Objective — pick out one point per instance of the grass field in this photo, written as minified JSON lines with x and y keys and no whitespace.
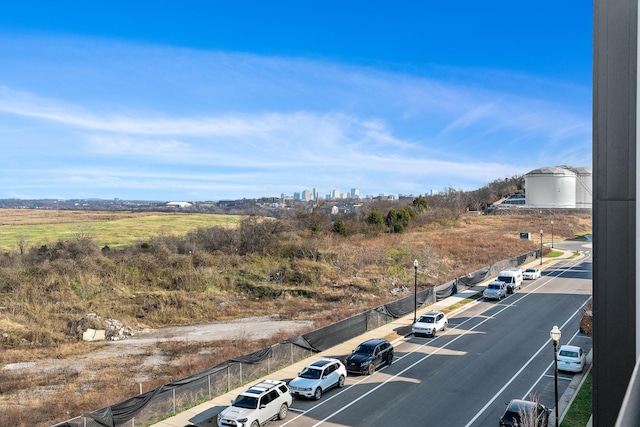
{"x":116,"y":229}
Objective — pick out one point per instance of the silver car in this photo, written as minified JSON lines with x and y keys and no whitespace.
{"x":495,"y":290}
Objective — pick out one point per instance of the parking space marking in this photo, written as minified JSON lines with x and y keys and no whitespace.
{"x":517,"y":374}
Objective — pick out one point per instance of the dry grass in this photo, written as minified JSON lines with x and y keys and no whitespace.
{"x":352,"y":275}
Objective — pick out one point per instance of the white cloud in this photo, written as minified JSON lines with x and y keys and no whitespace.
{"x":169,"y":114}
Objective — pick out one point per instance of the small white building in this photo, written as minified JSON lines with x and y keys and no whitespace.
{"x":179,"y":205}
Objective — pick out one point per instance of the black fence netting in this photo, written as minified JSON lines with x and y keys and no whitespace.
{"x":471,"y":279}
{"x":178,"y":395}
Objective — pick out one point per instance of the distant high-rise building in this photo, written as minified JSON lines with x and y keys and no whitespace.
{"x":355,"y":193}
{"x":315,"y":194}
{"x":335,"y":194}
{"x":306,"y":195}
{"x":296,"y":196}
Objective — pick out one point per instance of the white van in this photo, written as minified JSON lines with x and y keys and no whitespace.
{"x":512,"y":277}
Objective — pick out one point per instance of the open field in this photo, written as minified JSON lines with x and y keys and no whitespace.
{"x":297,"y":276}
{"x":34,"y":227}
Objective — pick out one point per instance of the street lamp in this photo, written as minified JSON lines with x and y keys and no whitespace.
{"x":555,"y":337}
{"x":551,"y":234}
{"x":415,"y":289}
{"x":540,"y":247}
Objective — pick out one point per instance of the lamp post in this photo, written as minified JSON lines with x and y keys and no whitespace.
{"x":551,"y":234}
{"x":555,"y":337}
{"x":415,"y":289}
{"x":540,"y":247}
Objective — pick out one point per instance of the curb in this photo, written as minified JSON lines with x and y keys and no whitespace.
{"x":201,"y":414}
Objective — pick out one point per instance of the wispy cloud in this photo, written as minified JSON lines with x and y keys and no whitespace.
{"x":266,"y":122}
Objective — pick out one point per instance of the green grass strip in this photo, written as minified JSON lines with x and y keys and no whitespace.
{"x":581,"y":409}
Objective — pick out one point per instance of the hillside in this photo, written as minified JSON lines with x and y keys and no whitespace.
{"x":295,"y":269}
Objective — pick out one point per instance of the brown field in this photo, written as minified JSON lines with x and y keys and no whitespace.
{"x":40,"y":216}
{"x":354,"y":274}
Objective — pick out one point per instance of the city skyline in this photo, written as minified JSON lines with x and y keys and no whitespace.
{"x":247,"y":99}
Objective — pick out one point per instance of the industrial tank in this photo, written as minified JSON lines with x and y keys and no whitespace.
{"x":551,"y":187}
{"x":584,"y":193}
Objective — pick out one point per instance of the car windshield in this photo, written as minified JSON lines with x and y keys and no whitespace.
{"x":494,"y":287}
{"x":247,"y":402}
{"x":530,"y":270}
{"x":426,"y":319}
{"x":568,"y":353}
{"x":312,"y":374}
{"x":363,"y":349}
{"x":505,"y":279}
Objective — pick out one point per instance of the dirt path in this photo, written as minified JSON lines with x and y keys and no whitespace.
{"x":144,"y":344}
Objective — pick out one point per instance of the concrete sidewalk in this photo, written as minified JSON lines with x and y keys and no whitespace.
{"x":204,"y":415}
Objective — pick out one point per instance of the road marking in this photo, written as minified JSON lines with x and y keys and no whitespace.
{"x":517,"y":374}
{"x":551,"y":363}
{"x":383,"y":383}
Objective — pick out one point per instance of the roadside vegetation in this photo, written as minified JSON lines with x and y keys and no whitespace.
{"x":306,"y":265}
{"x":581,"y":407}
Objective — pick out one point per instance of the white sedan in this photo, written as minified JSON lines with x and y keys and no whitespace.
{"x":318,"y":377}
{"x":571,"y":358}
{"x":531,"y":273}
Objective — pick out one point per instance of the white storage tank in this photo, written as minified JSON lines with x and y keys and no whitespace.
{"x":551,"y":187}
{"x":584,"y":182}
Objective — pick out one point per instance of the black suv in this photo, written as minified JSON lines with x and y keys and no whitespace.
{"x":534,"y":414}
{"x":369,"y":356}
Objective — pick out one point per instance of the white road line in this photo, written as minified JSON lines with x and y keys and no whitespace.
{"x":504,"y":307}
{"x":517,"y":374}
{"x":528,"y":393}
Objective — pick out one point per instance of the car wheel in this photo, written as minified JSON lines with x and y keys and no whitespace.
{"x":390,"y":359}
{"x":371,"y":369}
{"x":255,"y":424}
{"x":284,"y":409}
{"x":341,"y":381}
{"x":317,"y":394}
{"x":444,"y":328}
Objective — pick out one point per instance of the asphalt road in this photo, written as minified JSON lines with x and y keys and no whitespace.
{"x":491,"y":352}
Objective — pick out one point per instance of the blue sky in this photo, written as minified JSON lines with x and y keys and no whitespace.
{"x":208,"y":100}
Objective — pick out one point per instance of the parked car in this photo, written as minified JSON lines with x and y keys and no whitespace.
{"x":534,"y":414}
{"x":430,"y":323}
{"x":318,"y":377}
{"x":571,"y":358}
{"x":531,"y":273}
{"x":369,"y":356}
{"x":259,"y":404}
{"x":495,"y":290}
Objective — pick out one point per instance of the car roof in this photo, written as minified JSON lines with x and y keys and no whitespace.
{"x":515,"y":404}
{"x":262,"y":387}
{"x":323,"y":362}
{"x":495,"y":282}
{"x":373,"y":342}
{"x":432,"y":313}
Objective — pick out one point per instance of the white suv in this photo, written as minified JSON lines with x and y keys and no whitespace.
{"x":318,"y":377}
{"x":263,"y":402}
{"x":430,"y":323}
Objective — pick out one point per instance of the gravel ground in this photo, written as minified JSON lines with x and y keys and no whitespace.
{"x":143,"y":342}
